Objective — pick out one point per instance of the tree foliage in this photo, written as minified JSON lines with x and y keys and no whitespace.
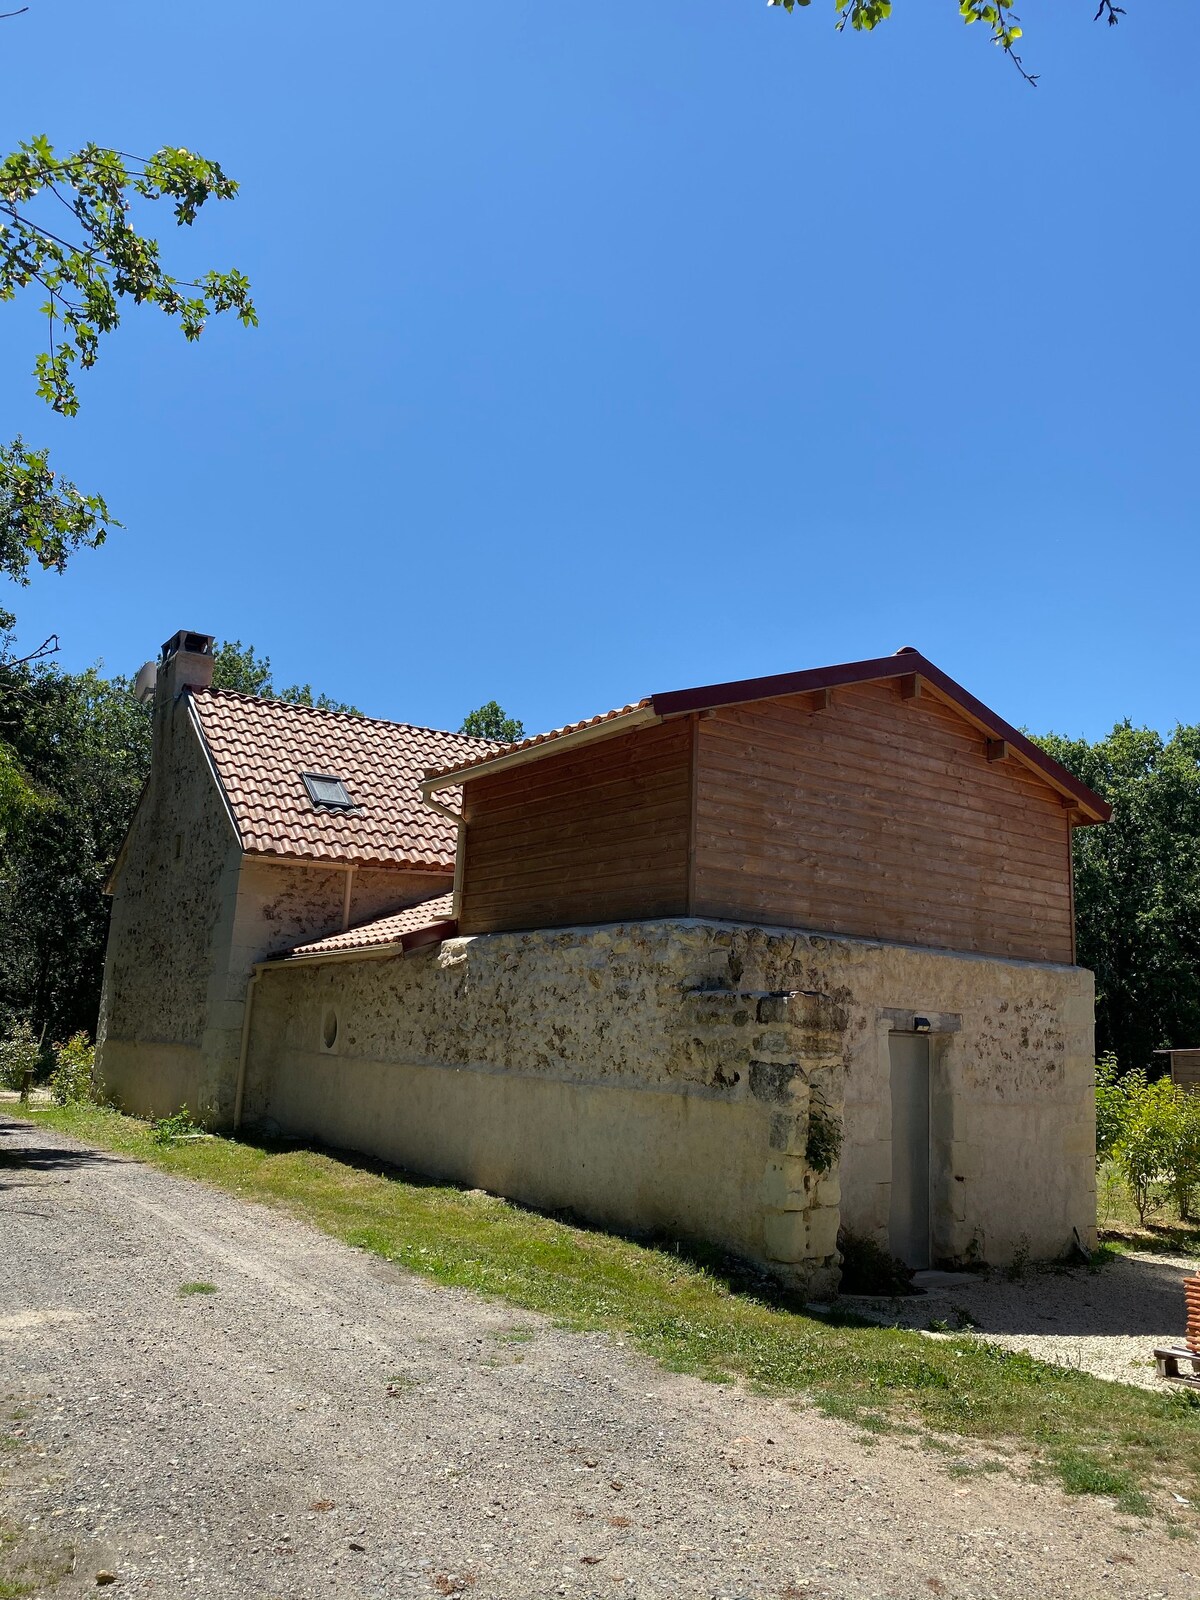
{"x":83,"y":746}
{"x":490,"y":722}
{"x":238,"y":666}
{"x":67,"y":230}
{"x":1137,"y":887}
{"x":43,"y":516}
{"x":1150,"y":1131}
{"x":85,"y":277}
{"x":997,"y":16}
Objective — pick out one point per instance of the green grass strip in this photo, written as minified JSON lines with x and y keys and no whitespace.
{"x":694,"y":1312}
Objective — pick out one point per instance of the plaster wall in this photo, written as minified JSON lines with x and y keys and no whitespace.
{"x":663,"y":1075}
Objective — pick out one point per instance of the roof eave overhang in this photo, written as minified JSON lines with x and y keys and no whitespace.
{"x":419,"y":939}
{"x":642,"y":717}
{"x":352,"y":863}
{"x":1087,"y":806}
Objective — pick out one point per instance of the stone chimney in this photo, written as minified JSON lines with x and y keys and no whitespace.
{"x":186,"y":663}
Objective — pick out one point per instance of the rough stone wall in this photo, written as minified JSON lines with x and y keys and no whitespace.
{"x":190,"y":917}
{"x":573,"y":1069}
{"x":663,"y":1075}
{"x":282,"y":904}
{"x":172,"y":916}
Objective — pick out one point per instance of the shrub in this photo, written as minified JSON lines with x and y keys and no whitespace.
{"x":1112,"y":1105}
{"x":1151,"y":1132}
{"x":1146,"y":1148}
{"x":72,"y":1078}
{"x":867,"y":1268}
{"x":19,"y":1053}
{"x":178,"y":1125}
{"x":1184,"y":1174}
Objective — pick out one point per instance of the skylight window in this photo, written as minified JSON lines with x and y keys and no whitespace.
{"x":326,"y":790}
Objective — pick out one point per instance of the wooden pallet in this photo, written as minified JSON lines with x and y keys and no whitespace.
{"x":1168,"y":1365}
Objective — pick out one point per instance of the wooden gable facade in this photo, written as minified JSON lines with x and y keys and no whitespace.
{"x":876,"y":800}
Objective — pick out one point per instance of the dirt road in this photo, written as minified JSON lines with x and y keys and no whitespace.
{"x":324,"y":1426}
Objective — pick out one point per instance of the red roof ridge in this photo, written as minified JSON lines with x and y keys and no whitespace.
{"x":905,"y":662}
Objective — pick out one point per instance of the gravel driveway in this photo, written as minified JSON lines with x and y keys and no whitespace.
{"x":326,"y":1426}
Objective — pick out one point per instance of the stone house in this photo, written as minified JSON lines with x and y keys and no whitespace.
{"x":750,"y":963}
{"x":239,"y":849}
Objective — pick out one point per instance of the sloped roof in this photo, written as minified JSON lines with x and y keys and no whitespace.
{"x":906,"y":663}
{"x":406,"y":930}
{"x":260,"y":750}
{"x":494,"y":751}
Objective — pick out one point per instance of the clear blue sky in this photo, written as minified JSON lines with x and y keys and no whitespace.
{"x":616,"y":348}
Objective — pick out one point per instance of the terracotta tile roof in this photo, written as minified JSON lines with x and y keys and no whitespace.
{"x":492,"y":751}
{"x":261,"y":748}
{"x":433,"y":918}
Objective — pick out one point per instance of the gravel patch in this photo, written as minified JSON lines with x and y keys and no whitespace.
{"x":325,"y":1425}
{"x":1106,"y":1320}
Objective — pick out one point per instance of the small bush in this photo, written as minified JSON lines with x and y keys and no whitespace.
{"x":1184,"y":1176}
{"x":19,"y":1053}
{"x":1151,"y":1133}
{"x":867,"y":1268}
{"x":1112,"y":1106}
{"x":72,"y":1078}
{"x":179,"y":1125}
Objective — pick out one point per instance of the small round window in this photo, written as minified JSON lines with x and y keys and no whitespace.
{"x":329,"y":1028}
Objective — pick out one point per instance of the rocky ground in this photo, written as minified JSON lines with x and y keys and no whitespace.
{"x":320,"y":1424}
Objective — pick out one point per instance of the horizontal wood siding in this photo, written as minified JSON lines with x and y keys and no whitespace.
{"x":881,"y":817}
{"x":594,"y":835}
{"x":1185,"y":1068}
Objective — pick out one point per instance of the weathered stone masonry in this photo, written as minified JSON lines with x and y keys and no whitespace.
{"x":662,"y":1075}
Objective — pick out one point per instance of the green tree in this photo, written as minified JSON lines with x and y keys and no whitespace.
{"x":490,"y":722}
{"x":83,"y":747}
{"x":1137,"y":886}
{"x":238,"y":666}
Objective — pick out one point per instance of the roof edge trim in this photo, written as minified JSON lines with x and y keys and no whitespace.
{"x":206,"y":752}
{"x":906,"y":664}
{"x":443,"y":869}
{"x":640,"y":717}
{"x":418,"y":939}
